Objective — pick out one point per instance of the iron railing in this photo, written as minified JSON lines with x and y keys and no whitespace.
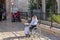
{"x":42,"y":17}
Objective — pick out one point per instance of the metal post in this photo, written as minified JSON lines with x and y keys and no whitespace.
{"x":51,"y":21}
{"x":52,"y":9}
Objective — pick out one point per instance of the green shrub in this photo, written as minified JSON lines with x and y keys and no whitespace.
{"x":55,"y":18}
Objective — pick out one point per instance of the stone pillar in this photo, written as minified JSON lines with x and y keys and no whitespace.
{"x":8,"y":8}
{"x":43,"y":8}
{"x":58,"y":2}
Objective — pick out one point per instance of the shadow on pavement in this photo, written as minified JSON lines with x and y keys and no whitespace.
{"x":12,"y":38}
{"x":8,"y":26}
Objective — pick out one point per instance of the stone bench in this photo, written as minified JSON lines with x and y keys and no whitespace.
{"x":54,"y":31}
{"x":45,"y":26}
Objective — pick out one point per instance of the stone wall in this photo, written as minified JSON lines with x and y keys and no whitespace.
{"x":22,"y":5}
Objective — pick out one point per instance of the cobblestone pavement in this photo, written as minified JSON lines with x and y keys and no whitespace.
{"x":14,"y":31}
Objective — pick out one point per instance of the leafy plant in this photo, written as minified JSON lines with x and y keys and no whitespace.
{"x":55,"y":18}
{"x":32,"y":5}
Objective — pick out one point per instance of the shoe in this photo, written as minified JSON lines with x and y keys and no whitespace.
{"x":27,"y":35}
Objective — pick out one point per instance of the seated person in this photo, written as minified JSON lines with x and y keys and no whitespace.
{"x":33,"y":24}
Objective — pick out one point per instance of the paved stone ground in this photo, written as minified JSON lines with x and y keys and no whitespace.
{"x":14,"y":31}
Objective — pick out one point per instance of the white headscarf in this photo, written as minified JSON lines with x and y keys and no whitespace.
{"x":34,"y":20}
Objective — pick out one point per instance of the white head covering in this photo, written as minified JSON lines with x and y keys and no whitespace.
{"x":34,"y":20}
